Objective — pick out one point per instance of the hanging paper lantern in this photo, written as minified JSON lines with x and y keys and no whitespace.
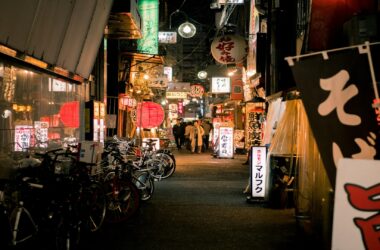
{"x":69,"y":114}
{"x":229,"y":49}
{"x":149,"y":115}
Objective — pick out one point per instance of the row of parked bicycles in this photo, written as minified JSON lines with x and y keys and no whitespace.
{"x":52,"y":197}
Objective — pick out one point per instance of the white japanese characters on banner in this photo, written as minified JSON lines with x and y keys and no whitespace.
{"x":258,"y":171}
{"x":226,"y":142}
{"x":23,"y":134}
{"x":337,"y":91}
{"x":356,"y":208}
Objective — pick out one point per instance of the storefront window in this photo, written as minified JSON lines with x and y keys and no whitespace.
{"x":36,"y":108}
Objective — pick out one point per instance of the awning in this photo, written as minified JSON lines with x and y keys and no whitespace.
{"x":62,"y":33}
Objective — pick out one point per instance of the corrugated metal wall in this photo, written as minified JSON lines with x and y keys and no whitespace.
{"x":63,"y":33}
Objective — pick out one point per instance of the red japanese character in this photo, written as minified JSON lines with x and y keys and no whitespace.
{"x":362,"y":198}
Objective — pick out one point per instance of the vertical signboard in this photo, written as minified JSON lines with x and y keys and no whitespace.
{"x":226,"y":142}
{"x":149,"y":14}
{"x":258,"y":171}
{"x":254,"y":124}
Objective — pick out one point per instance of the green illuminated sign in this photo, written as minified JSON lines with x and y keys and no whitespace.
{"x":149,"y":14}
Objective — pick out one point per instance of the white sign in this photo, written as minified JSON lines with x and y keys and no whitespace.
{"x":173,"y":111}
{"x":168,"y":71}
{"x":89,"y":151}
{"x":226,"y":142}
{"x":176,"y":95}
{"x":56,"y":85}
{"x":23,"y":135}
{"x":167,"y":37}
{"x":356,"y":219}
{"x":220,"y":85}
{"x":258,"y":171}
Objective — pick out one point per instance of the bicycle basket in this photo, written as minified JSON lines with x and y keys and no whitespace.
{"x":63,"y":165}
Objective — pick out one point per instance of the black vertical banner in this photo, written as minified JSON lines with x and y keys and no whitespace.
{"x":337,"y":92}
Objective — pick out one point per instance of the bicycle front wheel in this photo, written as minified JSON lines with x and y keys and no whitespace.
{"x":145,"y":184}
{"x":122,"y":200}
{"x":94,"y":201}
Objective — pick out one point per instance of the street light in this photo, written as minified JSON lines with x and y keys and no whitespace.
{"x":186,"y":29}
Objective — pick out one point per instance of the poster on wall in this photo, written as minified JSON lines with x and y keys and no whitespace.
{"x":41,"y":133}
{"x":356,"y":205}
{"x":23,"y":134}
{"x":258,"y":171}
{"x":226,"y":142}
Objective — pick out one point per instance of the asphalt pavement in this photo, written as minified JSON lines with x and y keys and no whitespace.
{"x":202,"y":206}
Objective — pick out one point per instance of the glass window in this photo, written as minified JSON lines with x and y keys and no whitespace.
{"x":36,"y":108}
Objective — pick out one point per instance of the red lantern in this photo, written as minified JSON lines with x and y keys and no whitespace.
{"x":69,"y":114}
{"x":229,"y":49}
{"x":149,"y":115}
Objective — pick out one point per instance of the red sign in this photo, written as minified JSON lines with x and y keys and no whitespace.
{"x":180,"y":107}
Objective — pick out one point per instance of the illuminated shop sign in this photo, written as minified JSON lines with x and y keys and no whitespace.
{"x":173,"y":111}
{"x":197,"y":90}
{"x":258,"y":171}
{"x":220,"y":85}
{"x":149,"y":14}
{"x":176,"y":95}
{"x":226,"y":142}
{"x":167,"y":37}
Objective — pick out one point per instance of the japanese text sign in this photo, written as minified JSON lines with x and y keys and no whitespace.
{"x":357,"y":205}
{"x":220,"y":85}
{"x":226,"y":142}
{"x":258,"y":171}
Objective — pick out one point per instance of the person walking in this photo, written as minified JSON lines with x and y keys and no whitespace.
{"x":206,"y":137}
{"x":182,"y":133}
{"x":196,"y":136}
{"x":188,"y":128}
{"x":177,"y":133}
